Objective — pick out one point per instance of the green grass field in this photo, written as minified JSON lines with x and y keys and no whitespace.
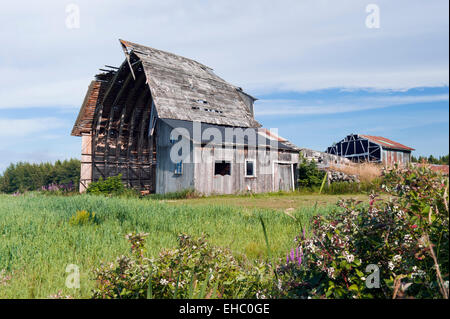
{"x":37,"y":242}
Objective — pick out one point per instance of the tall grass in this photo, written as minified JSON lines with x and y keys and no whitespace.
{"x":367,"y":172}
{"x":37,"y":240}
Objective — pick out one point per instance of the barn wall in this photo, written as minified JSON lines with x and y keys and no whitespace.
{"x":208,"y":183}
{"x":166,"y":179}
{"x":390,"y":157}
{"x":86,"y":161}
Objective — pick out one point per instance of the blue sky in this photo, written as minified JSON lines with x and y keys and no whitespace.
{"x":318,"y":71}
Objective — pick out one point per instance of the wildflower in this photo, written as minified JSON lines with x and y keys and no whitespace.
{"x":349,"y":257}
{"x":417,"y":272}
{"x":330,"y":272}
{"x":259,"y":295}
{"x":391,"y":265}
{"x":397,"y":258}
{"x":164,"y":282}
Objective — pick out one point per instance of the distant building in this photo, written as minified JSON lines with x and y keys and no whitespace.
{"x":367,"y":148}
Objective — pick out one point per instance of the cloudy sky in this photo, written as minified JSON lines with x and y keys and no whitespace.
{"x":318,"y":70}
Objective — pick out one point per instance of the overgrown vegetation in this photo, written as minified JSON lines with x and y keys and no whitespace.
{"x":83,"y":217}
{"x":340,"y":188}
{"x":406,"y":238}
{"x":195,"y":269}
{"x":310,"y":178}
{"x":111,"y":186}
{"x":309,"y":175}
{"x":38,"y":241}
{"x":22,"y":177}
{"x":366,"y":172}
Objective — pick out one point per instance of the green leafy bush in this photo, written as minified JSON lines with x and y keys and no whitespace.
{"x":406,"y":237}
{"x":309,"y":175}
{"x":111,"y":186}
{"x":193,"y":270}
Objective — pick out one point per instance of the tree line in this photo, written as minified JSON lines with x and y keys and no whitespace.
{"x":22,"y":177}
{"x":441,"y":160}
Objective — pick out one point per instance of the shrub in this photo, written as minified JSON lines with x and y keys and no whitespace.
{"x":83,"y":217}
{"x":111,"y":186}
{"x":406,"y":237}
{"x":309,"y":175}
{"x":193,"y":270}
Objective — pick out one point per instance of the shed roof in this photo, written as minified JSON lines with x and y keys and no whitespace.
{"x":387,"y":143}
{"x":185,"y":89}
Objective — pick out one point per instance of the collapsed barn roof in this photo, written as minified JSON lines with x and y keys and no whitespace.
{"x":181,"y":88}
{"x":184,"y":89}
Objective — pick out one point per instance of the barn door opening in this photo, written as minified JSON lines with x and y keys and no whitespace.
{"x":284,"y":177}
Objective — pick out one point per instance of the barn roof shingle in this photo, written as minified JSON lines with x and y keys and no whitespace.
{"x":185,"y":89}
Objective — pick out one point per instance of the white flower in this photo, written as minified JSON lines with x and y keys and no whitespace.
{"x":259,"y":295}
{"x":349,"y":257}
{"x":397,"y":258}
{"x":279,"y":286}
{"x":391,"y":265}
{"x":163,"y":282}
{"x":417,"y":272}
{"x":330,"y":272}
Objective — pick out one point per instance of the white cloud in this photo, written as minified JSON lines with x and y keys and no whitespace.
{"x":260,"y":45}
{"x":17,"y":128}
{"x":282,"y":107}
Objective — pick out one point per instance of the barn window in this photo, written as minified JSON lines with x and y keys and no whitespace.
{"x":250,"y":168}
{"x":222,"y":168}
{"x":172,"y":140}
{"x":179,"y":168}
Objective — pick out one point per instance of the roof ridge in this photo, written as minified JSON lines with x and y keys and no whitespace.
{"x":127,"y":43}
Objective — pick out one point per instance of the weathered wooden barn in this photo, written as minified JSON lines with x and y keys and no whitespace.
{"x":134,"y":116}
{"x":368,"y":148}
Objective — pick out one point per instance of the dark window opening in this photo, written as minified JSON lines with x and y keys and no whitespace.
{"x":222,"y":168}
{"x":249,"y":168}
